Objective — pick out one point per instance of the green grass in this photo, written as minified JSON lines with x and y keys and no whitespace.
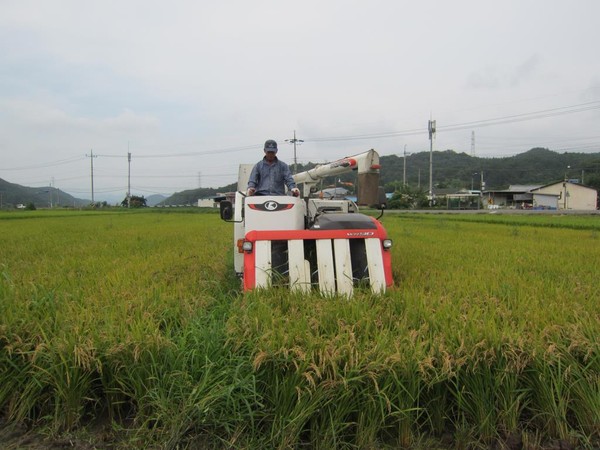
{"x":555,"y":220}
{"x":491,"y":332}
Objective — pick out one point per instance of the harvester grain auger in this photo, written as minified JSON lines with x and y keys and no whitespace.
{"x":312,"y":242}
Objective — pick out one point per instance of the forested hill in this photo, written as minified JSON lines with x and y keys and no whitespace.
{"x":459,"y":170}
{"x":13,"y":194}
{"x":190,"y":197}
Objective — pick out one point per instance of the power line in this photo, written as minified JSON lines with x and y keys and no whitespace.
{"x":542,"y":114}
{"x":48,"y":164}
{"x":136,"y":177}
{"x":198,"y":153}
{"x":589,"y":106}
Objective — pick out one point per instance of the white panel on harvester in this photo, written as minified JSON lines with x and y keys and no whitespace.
{"x":274,"y":212}
{"x":263,"y":263}
{"x":343,"y":266}
{"x":375,"y":263}
{"x":325,"y":266}
{"x":299,"y":267}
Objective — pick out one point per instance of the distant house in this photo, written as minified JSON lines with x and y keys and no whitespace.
{"x":566,"y":195}
{"x":207,"y":203}
{"x":516,"y":196}
{"x":213,"y":202}
{"x":558,"y":195}
{"x":464,"y":199}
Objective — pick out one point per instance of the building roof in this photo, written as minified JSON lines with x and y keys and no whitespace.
{"x":561,"y":182}
{"x":522,"y":187}
{"x":515,"y":189}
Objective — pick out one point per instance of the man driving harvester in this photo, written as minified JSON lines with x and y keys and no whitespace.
{"x":270,"y":176}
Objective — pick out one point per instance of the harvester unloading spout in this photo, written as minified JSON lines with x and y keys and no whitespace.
{"x":312,"y":242}
{"x":367,"y":166}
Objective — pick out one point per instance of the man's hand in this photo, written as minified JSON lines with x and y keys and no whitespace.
{"x":296,"y":192}
{"x":250,"y":192}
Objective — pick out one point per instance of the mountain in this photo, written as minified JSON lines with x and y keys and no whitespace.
{"x":155,"y":199}
{"x":12,"y":195}
{"x":191,"y":197}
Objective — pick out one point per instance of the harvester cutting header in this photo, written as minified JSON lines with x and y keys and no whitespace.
{"x":309,"y":241}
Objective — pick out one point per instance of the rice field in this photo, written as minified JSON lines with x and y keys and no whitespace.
{"x":134,"y":320}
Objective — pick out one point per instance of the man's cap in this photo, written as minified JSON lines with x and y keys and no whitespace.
{"x":271,"y":146}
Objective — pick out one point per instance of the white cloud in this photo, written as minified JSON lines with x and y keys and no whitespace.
{"x":501,"y":77}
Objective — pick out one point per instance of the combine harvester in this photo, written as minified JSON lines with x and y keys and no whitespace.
{"x":312,"y":241}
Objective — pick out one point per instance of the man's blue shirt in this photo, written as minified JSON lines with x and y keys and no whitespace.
{"x":270,"y":179}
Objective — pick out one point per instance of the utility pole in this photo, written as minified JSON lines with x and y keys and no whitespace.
{"x":294,"y":141}
{"x":50,"y":191}
{"x":57,"y":192}
{"x":565,"y":186}
{"x":128,"y":177}
{"x":92,"y":156}
{"x":404,"y":170}
{"x":431,"y":127}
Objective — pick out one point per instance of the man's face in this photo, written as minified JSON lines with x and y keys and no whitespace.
{"x":270,"y":156}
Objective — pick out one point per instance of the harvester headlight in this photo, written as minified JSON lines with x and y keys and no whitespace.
{"x":247,"y":246}
{"x":387,"y":244}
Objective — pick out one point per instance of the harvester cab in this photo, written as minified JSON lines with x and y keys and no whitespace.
{"x":312,"y":242}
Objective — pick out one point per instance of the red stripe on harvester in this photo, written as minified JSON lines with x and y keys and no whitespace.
{"x":286,"y":235}
{"x":249,"y":271}
{"x":387,"y":267}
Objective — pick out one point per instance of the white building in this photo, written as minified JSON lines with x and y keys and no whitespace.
{"x":558,"y":195}
{"x":207,"y":203}
{"x":213,"y":202}
{"x":565,"y":195}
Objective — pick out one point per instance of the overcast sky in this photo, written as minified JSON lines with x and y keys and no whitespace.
{"x":193,"y":88}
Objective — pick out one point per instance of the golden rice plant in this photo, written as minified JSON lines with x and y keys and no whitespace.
{"x":489,"y":335}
